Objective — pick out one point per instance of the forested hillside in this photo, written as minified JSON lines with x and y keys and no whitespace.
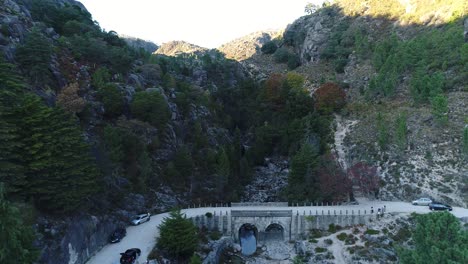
{"x":95,"y":128}
{"x":91,"y":125}
{"x":403,"y":66}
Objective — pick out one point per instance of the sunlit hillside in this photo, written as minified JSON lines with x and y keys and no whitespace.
{"x":426,"y":12}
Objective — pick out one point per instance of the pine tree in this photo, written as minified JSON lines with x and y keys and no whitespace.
{"x":177,"y":235}
{"x":17,"y":238}
{"x":12,"y":168}
{"x":440,"y":109}
{"x":42,"y":149}
{"x":34,"y":57}
{"x":438,"y":238}
{"x":401,"y":131}
{"x":222,"y":171}
{"x":302,"y":182}
{"x":382,"y":132}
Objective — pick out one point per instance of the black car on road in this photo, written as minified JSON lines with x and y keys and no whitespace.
{"x":130,"y":256}
{"x":117,"y":235}
{"x":439,"y":206}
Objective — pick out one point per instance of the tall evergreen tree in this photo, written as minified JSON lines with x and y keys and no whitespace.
{"x":177,"y":235}
{"x":16,"y":237}
{"x":438,"y":239}
{"x":303,"y":183}
{"x":12,"y":172}
{"x":42,"y":150}
{"x":401,"y":131}
{"x":222,"y":171}
{"x":382,"y":132}
{"x":34,"y":57}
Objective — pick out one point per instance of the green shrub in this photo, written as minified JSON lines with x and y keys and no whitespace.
{"x":372,"y":232}
{"x":281,"y":55}
{"x":440,"y":109}
{"x":150,"y":107}
{"x":209,"y":214}
{"x":293,"y":61}
{"x":342,"y":236}
{"x":465,"y":142}
{"x":269,"y":48}
{"x":112,"y":99}
{"x":215,"y":235}
{"x":320,"y":250}
{"x":328,"y":241}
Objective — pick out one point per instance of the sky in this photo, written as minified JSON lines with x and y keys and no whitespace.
{"x":207,"y":23}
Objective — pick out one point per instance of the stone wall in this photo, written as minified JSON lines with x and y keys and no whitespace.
{"x":295,"y":225}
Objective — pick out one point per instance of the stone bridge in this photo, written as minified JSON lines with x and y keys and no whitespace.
{"x":277,"y":220}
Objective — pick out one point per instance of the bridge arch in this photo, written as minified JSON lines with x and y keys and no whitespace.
{"x":274,"y":231}
{"x":248,"y":238}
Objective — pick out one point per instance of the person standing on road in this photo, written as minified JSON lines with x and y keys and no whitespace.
{"x":372,"y":210}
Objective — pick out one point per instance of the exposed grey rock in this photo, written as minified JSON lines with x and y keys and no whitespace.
{"x":73,"y":240}
{"x":217,"y":249}
{"x":300,"y":248}
{"x":268,"y":181}
{"x":135,"y":80}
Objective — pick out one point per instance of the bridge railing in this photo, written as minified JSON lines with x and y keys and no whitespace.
{"x":309,"y":204}
{"x":267,"y":204}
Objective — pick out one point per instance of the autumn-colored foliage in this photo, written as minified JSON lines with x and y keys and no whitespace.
{"x":329,"y":97}
{"x":69,"y":99}
{"x":273,"y":88}
{"x":334,"y":184}
{"x":365,"y":176}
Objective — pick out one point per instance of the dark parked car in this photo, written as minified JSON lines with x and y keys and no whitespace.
{"x":117,"y":235}
{"x":130,"y":256}
{"x":439,"y":206}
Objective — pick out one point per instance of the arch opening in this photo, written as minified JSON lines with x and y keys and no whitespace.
{"x":274,"y":232}
{"x":248,"y":235}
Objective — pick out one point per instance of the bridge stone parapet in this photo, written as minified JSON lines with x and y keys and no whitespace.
{"x":292,"y":223}
{"x":261,"y":219}
{"x":268,"y":204}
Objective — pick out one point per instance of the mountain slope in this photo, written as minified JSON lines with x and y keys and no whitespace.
{"x":246,"y":46}
{"x":404,"y":67}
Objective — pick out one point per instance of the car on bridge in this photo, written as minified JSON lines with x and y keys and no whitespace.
{"x":435,"y":206}
{"x":422,"y":201}
{"x":141,"y":218}
{"x":130,"y":256}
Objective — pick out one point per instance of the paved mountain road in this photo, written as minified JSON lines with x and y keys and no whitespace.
{"x":144,"y":235}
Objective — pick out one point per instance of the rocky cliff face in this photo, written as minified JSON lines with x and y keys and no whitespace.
{"x":245,"y":47}
{"x":177,"y":47}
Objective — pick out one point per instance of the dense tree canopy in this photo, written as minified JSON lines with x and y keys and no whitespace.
{"x":17,"y":236}
{"x":438,"y":239}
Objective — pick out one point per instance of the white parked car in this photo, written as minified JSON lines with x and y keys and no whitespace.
{"x":422,"y":201}
{"x":141,"y":218}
